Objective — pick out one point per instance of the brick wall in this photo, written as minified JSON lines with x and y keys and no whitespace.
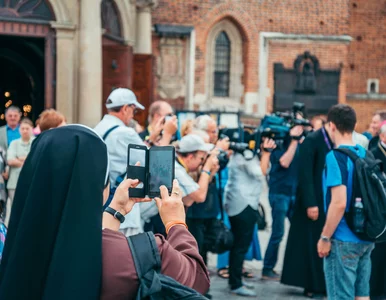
{"x":364,"y":58}
{"x":367,"y":55}
{"x":252,"y":17}
{"x":367,"y":52}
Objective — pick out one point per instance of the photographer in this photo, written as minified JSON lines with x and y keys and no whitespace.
{"x":242,"y":194}
{"x":201,"y":216}
{"x":122,"y":105}
{"x":192,"y":154}
{"x":162,"y":124}
{"x":282,"y":188}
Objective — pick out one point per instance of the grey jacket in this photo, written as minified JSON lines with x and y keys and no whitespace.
{"x":3,"y":137}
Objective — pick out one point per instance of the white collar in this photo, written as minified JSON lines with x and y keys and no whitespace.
{"x":113,"y":119}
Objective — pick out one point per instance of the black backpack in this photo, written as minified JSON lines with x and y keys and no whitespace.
{"x":152,"y":284}
{"x":369,"y":183}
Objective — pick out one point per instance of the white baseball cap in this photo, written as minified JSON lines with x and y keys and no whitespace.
{"x":192,"y":143}
{"x":121,"y":97}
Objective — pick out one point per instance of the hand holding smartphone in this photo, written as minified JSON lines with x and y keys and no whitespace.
{"x":156,"y":169}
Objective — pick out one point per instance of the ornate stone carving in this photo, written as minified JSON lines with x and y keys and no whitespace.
{"x":171,"y":69}
{"x":31,"y":9}
{"x":306,"y":67}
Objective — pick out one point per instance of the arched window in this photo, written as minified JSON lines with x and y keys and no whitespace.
{"x":111,"y":22}
{"x":222,"y":65}
{"x":372,"y":86}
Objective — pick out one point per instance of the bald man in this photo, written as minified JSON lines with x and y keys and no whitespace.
{"x":161,"y":118}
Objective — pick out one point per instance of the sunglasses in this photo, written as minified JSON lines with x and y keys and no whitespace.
{"x":135,"y":110}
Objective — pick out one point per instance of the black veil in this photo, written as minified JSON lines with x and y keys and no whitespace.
{"x":54,"y":243}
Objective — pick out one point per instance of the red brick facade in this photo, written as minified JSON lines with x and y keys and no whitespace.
{"x":363,"y":58}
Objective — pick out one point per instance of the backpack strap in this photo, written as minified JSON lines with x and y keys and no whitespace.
{"x":109,"y":131}
{"x":147,"y":263}
{"x":348,"y":152}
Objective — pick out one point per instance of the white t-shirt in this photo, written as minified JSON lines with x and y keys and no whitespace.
{"x":187,"y":184}
{"x":117,"y":146}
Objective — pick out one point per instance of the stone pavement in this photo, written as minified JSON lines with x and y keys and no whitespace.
{"x":265,"y":290}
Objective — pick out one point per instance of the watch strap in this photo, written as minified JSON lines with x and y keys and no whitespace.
{"x":325,"y":238}
{"x":116,"y":214}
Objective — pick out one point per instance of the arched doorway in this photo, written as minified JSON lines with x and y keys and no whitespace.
{"x":117,"y":56}
{"x":22,"y":75}
{"x":27,"y":57}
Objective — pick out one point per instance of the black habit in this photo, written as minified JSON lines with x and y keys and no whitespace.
{"x":302,"y":265}
{"x":378,"y":257}
{"x":53,"y":248}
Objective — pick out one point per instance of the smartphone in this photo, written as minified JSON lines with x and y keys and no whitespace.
{"x":137,"y":154}
{"x":161,"y":169}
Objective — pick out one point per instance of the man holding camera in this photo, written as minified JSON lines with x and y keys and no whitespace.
{"x":282,"y":189}
{"x":161,"y":129}
{"x":192,"y":155}
{"x":113,"y":128}
{"x":162,"y":123}
{"x":201,"y":215}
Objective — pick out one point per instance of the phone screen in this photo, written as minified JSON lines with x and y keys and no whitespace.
{"x":161,"y":169}
{"x":137,"y":155}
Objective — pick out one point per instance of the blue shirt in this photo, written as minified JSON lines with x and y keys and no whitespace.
{"x":12,"y":134}
{"x":368,"y":135}
{"x":339,"y":170}
{"x":283,"y":180}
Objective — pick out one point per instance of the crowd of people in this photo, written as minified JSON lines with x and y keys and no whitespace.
{"x":69,"y":215}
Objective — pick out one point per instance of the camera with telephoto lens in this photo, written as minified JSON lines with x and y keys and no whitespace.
{"x":277,"y":126}
{"x":239,"y":142}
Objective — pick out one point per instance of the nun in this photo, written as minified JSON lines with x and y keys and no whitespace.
{"x":56,"y":247}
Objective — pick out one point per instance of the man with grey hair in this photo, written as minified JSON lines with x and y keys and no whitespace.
{"x":10,"y":132}
{"x":380,"y":118}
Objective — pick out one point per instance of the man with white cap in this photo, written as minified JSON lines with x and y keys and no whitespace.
{"x":121,"y":106}
{"x":192,"y":154}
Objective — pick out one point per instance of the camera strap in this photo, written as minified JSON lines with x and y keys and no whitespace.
{"x":220,"y":195}
{"x":326,"y":140}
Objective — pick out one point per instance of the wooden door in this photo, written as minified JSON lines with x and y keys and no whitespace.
{"x":143,"y":84}
{"x":117,"y":68}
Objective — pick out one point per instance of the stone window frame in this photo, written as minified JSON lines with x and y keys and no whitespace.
{"x":236,"y":87}
{"x":370,"y":82}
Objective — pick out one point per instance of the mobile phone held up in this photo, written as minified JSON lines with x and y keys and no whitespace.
{"x":156,"y":168}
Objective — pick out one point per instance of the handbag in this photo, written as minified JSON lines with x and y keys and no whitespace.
{"x":219,"y":238}
{"x":260,"y":216}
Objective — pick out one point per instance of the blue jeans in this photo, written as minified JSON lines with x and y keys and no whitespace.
{"x":281,"y":208}
{"x":347,"y":270}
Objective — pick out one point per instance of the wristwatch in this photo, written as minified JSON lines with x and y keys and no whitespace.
{"x":116,"y":214}
{"x":325,"y":238}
